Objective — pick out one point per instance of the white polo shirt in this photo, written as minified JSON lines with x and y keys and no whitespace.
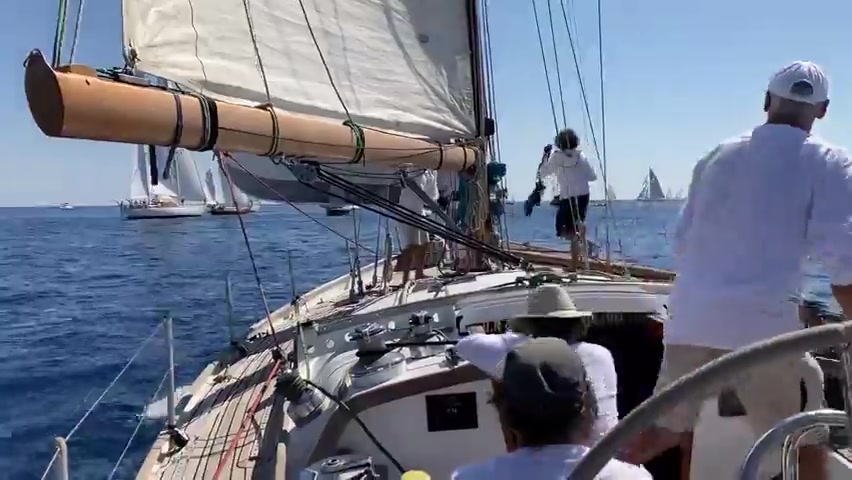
{"x":758,"y":205}
{"x":572,"y":171}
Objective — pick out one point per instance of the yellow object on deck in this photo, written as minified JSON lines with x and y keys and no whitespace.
{"x":415,"y":475}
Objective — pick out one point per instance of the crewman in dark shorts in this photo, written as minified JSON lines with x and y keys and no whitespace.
{"x":573,"y":174}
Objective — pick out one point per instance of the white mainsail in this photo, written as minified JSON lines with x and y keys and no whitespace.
{"x":223,"y":190}
{"x":376,"y":53}
{"x":139,"y":179}
{"x":179,"y":179}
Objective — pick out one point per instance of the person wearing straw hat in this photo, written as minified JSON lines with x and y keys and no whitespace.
{"x":551,"y":313}
{"x":546,"y":408}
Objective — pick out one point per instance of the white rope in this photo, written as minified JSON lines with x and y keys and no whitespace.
{"x":138,"y":425}
{"x":101,"y":397}
{"x":77,"y":23}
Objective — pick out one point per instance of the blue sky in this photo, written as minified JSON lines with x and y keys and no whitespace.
{"x":680,"y":76}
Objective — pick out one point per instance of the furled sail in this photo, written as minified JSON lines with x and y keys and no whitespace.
{"x":376,"y":54}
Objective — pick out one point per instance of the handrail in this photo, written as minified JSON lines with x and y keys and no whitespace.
{"x":790,"y":452}
{"x":711,"y":376}
{"x":791,"y":425}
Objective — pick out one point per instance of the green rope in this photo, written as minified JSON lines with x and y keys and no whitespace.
{"x":360,"y":141}
{"x":59,"y":36}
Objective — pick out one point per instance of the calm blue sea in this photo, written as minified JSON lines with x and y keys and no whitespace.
{"x":80,"y":289}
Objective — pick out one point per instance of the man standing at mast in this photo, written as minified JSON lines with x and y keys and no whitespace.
{"x":573,"y":174}
{"x":758,"y":205}
{"x":415,"y":242}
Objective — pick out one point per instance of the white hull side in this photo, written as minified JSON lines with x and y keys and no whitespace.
{"x":164,"y":212}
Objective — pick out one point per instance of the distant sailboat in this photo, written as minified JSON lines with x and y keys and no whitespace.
{"x":66,"y":206}
{"x":652,"y":191}
{"x":223,"y":201}
{"x":154,"y":196}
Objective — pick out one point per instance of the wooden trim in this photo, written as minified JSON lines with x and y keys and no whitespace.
{"x":359,"y":402}
{"x":72,"y":102}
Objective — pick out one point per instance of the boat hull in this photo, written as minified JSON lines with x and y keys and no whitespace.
{"x":138,"y":213}
{"x":338,"y":211}
{"x":223,"y":210}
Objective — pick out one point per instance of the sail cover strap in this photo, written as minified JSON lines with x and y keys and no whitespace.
{"x":178,"y":134}
{"x":360,"y":142}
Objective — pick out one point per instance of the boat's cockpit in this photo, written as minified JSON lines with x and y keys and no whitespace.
{"x":427,"y":407}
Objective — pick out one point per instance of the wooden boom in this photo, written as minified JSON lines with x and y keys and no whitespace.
{"x":73,"y":102}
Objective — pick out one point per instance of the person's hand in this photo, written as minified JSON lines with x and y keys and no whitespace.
{"x":548,"y":148}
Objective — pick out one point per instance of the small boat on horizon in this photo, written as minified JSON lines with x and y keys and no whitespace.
{"x":338,"y":210}
{"x":66,"y":206}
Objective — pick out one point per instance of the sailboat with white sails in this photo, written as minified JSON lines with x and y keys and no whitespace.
{"x":357,"y":378}
{"x":178,"y":193}
{"x":224,"y":202}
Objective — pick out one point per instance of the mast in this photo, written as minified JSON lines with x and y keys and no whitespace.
{"x":74,"y":102}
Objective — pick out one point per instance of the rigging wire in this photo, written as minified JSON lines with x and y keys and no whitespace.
{"x":59,"y":34}
{"x":251,"y":256}
{"x":544,"y":64}
{"x":492,"y":106}
{"x":77,"y":23}
{"x":609,"y":220}
{"x":556,"y":62}
{"x":103,"y":394}
{"x":607,"y":202}
{"x":291,"y":204}
{"x":138,"y":426}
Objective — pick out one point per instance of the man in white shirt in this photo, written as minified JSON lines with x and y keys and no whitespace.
{"x":757,"y":206}
{"x":415,"y":242}
{"x":551,"y":313}
{"x":546,"y":409}
{"x":573,"y":174}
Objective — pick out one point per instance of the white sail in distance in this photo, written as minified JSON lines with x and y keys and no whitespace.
{"x":376,"y":54}
{"x":140,"y":181}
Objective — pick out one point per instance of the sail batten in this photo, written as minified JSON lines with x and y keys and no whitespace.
{"x":400,"y":65}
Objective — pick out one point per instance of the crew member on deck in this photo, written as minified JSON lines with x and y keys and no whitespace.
{"x":546,"y":407}
{"x":551,"y":313}
{"x":415,"y":242}
{"x":573,"y":174}
{"x":739,"y":247}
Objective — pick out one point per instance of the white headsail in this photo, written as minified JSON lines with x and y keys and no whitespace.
{"x":397,"y":65}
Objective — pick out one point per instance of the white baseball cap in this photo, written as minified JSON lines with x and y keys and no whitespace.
{"x":801,"y":82}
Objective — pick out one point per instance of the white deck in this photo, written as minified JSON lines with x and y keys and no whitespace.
{"x":221,"y":399}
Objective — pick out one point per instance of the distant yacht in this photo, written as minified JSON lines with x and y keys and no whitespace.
{"x":66,"y":206}
{"x":154,"y":196}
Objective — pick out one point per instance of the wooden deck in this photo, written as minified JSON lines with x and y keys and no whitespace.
{"x":214,"y":423}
